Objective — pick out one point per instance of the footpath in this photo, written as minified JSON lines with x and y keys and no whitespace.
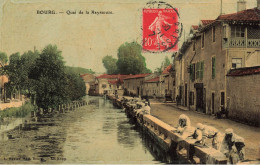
{"x":169,"y":113}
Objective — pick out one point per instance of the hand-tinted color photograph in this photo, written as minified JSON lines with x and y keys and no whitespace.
{"x":129,"y":81}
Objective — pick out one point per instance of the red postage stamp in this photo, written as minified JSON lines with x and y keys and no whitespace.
{"x":160,"y":30}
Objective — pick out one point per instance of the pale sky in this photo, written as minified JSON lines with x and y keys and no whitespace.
{"x":86,"y":39}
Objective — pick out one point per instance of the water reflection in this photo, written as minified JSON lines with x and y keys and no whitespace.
{"x":126,"y":135}
{"x":32,"y":142}
{"x":109,"y":123}
{"x":10,"y":123}
{"x":3,"y":136}
{"x":111,"y":138}
{"x":97,"y":133}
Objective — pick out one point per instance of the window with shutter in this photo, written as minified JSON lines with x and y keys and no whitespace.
{"x":213,"y":34}
{"x":224,"y":32}
{"x":236,"y":63}
{"x":194,"y":45}
{"x":237,"y":31}
{"x":190,"y":71}
{"x":194,"y":72}
{"x":201,"y":69}
{"x":213,"y":71}
{"x":197,"y":70}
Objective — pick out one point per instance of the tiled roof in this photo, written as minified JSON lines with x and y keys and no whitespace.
{"x":206,"y":22}
{"x":112,"y":76}
{"x":112,"y":82}
{"x":121,"y":77}
{"x":249,"y":15}
{"x":245,"y":15}
{"x":137,"y":76}
{"x":244,"y":71}
{"x":118,"y":81}
{"x":195,"y":27}
{"x":156,"y":79}
{"x":167,"y":69}
{"x":107,"y":76}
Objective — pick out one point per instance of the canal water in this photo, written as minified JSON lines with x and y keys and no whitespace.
{"x":95,"y":134}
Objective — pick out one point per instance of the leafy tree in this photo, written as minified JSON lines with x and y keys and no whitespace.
{"x":76,"y":87}
{"x":78,"y":70}
{"x":14,"y":73}
{"x":45,"y":76}
{"x":49,"y":77}
{"x":147,"y":70}
{"x":28,"y":60}
{"x":51,"y":81}
{"x":130,"y":59}
{"x":110,"y":64}
{"x":3,"y":58}
{"x":17,"y":71}
{"x":166,"y":62}
{"x":3,"y":61}
{"x":158,"y":70}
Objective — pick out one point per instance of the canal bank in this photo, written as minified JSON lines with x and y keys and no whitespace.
{"x":96,"y":133}
{"x":172,"y":146}
{"x":161,"y":131}
{"x":168,"y":113}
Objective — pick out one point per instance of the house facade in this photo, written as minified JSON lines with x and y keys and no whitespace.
{"x":152,"y":87}
{"x":109,"y":84}
{"x":116,"y":86}
{"x":134,"y":84}
{"x":228,"y":42}
{"x":168,"y":82}
{"x":102,"y":85}
{"x":89,"y":80}
{"x":3,"y":81}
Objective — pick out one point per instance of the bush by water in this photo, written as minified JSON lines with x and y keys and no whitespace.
{"x":22,"y":111}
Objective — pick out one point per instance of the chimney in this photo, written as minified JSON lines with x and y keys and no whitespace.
{"x":241,"y":5}
{"x":258,"y":4}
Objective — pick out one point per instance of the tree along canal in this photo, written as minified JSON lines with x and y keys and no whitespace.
{"x":96,"y":133}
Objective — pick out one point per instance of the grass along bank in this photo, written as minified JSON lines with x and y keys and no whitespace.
{"x":17,"y":112}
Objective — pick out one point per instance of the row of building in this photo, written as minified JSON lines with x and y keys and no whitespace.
{"x":217,"y":69}
{"x":148,"y":85}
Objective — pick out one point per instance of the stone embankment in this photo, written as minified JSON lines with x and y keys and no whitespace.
{"x":167,"y":143}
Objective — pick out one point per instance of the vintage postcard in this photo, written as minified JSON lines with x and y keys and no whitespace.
{"x":129,"y":81}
